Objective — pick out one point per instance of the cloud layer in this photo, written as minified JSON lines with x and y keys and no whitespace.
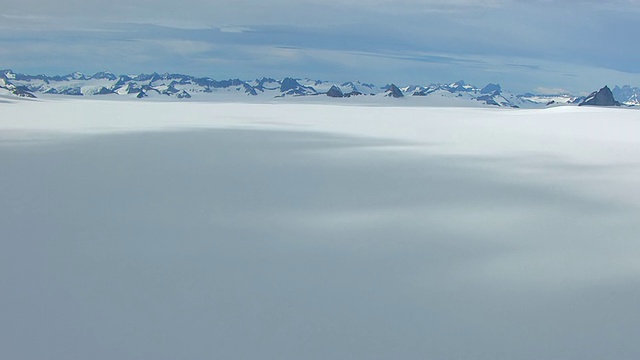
{"x":245,"y":38}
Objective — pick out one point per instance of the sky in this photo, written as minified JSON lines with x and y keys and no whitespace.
{"x":544,"y":46}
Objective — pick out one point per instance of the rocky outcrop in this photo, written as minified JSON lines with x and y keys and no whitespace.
{"x":335,"y":92}
{"x":488,"y":99}
{"x":20,"y":91}
{"x":491,"y":89}
{"x":627,"y":95}
{"x":290,"y":86}
{"x":602,"y":97}
{"x":394,"y":91}
{"x":182,"y":95}
{"x":250,"y":90}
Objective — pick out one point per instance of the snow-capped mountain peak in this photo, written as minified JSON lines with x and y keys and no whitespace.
{"x":181,"y":86}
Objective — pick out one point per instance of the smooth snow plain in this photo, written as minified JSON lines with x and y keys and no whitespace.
{"x":138,"y":230}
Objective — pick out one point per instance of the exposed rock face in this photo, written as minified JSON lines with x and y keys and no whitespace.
{"x":488,"y":99}
{"x":267,"y":84}
{"x":103,"y":91}
{"x":75,"y":91}
{"x":248,"y":89}
{"x":15,"y":90}
{"x":493,"y":89}
{"x":353,"y":93}
{"x":335,"y":92}
{"x":104,"y":75}
{"x":627,"y":94}
{"x":184,"y":86}
{"x":460,"y":86}
{"x":602,"y":97}
{"x":289,"y":84}
{"x":183,"y":95}
{"x":393,"y":91}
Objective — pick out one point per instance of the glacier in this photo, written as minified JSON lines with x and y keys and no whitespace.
{"x":165,"y":230}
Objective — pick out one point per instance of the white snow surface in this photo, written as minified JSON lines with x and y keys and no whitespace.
{"x":166,"y":230}
{"x":588,"y":135}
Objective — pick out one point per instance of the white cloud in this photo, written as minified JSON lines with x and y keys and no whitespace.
{"x":235,"y":29}
{"x":550,"y":90}
{"x":401,"y":37}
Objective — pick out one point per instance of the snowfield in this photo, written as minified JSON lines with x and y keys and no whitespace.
{"x":192,"y":230}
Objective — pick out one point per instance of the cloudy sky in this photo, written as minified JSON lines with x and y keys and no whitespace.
{"x":535,"y":45}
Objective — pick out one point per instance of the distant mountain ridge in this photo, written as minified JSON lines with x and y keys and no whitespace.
{"x":181,"y":86}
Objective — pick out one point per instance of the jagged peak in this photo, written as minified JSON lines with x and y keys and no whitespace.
{"x":394,"y":91}
{"x":77,"y":83}
{"x":335,"y":91}
{"x":491,"y":89}
{"x":602,"y":97}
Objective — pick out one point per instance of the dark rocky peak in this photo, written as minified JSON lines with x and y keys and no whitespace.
{"x":122,"y":80}
{"x":58,"y":78}
{"x":460,"y":85}
{"x":103,"y":91}
{"x":353,"y":93}
{"x":414,"y":88}
{"x":227,"y":83}
{"x":424,"y":91}
{"x":179,"y":78}
{"x":204,"y":81}
{"x":249,"y":90}
{"x":154,"y":77}
{"x":104,"y":75}
{"x":455,"y":87}
{"x":273,"y":84}
{"x":129,"y":88}
{"x":576,"y":100}
{"x":5,"y":83}
{"x":602,"y":97}
{"x":626,"y":93}
{"x":289,"y":84}
{"x":75,"y":91}
{"x":493,"y":89}
{"x":488,"y":99}
{"x":145,"y":77}
{"x":335,"y":92}
{"x":620,"y":92}
{"x":9,"y":75}
{"x":76,"y":76}
{"x":265,"y":80}
{"x":394,"y":91}
{"x":182,"y":95}
{"x":211,"y":83}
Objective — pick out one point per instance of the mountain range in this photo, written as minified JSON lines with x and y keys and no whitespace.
{"x":180,"y":86}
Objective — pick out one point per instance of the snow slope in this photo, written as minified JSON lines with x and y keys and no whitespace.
{"x":138,"y":230}
{"x":566,"y":131}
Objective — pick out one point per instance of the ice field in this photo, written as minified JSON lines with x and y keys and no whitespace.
{"x":169,"y":230}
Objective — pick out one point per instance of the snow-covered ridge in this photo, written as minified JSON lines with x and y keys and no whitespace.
{"x":181,"y":86}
